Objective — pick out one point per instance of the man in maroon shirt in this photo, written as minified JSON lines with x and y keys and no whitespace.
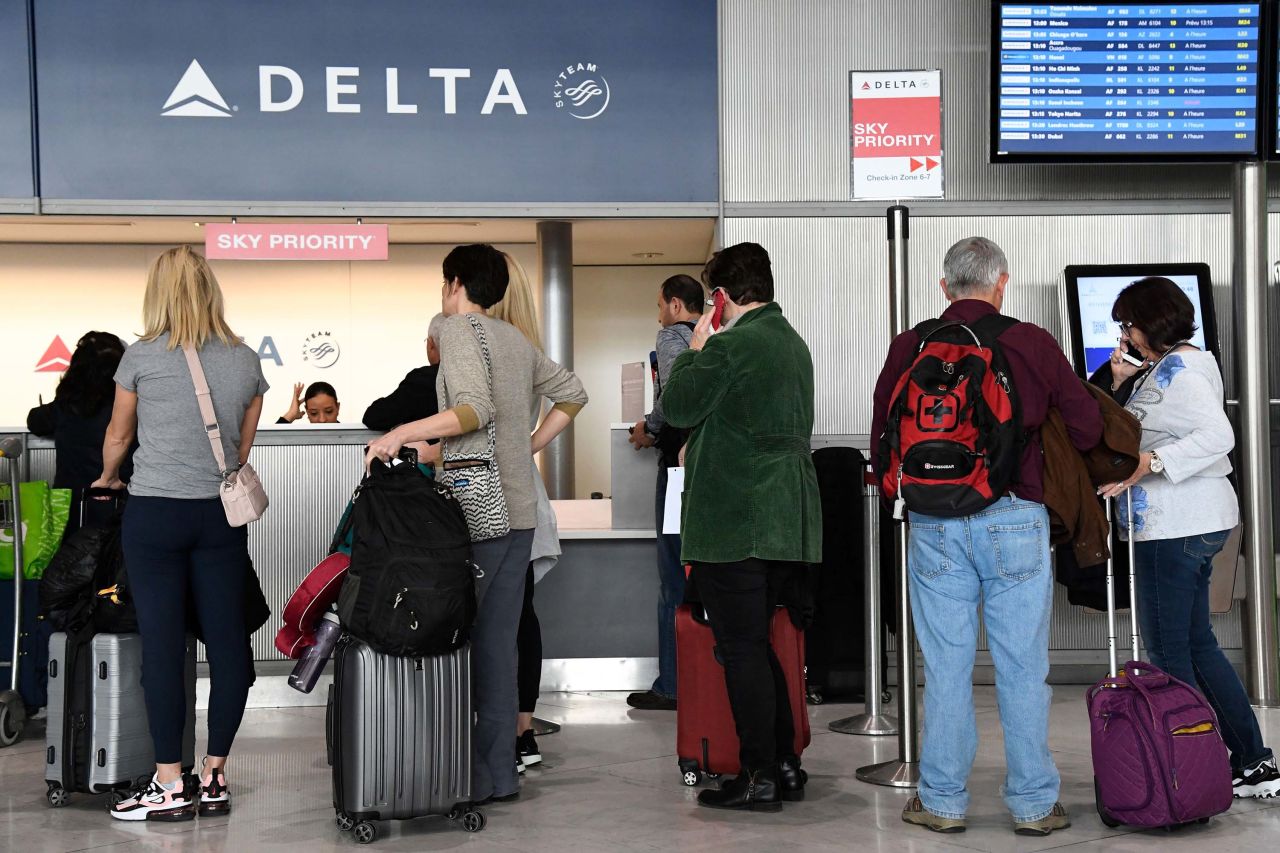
{"x":998,"y":558}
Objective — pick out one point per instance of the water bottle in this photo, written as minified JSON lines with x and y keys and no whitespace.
{"x":307,"y":672}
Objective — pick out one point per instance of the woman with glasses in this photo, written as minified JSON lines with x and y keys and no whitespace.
{"x":1183,"y":508}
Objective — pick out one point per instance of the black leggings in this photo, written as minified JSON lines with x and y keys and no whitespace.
{"x":175,"y":547}
{"x":528,"y":650}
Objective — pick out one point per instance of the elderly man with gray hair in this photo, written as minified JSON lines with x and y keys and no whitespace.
{"x":415,"y":396}
{"x":996,"y":558}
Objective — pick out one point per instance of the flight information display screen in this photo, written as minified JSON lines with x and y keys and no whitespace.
{"x":1115,"y":81}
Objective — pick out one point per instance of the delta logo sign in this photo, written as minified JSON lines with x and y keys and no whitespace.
{"x":320,"y":350}
{"x":580,"y":89}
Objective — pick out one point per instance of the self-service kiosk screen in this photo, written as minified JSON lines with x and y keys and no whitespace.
{"x":1092,"y":290}
{"x":1125,"y":81}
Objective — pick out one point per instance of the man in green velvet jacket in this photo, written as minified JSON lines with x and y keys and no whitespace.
{"x":751,"y":517}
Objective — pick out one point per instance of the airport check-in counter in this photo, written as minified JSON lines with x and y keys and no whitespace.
{"x":597,"y":607}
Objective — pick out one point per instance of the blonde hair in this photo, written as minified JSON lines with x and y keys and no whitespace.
{"x":517,"y":306}
{"x":183,"y":299}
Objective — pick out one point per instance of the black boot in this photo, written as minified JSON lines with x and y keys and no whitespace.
{"x":755,"y":790}
{"x":791,"y":779}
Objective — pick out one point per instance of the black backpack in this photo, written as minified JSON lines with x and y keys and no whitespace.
{"x":410,"y":591}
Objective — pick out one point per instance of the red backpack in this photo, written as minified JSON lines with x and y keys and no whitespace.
{"x":953,"y":438}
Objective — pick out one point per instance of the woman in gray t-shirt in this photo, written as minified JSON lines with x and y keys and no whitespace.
{"x":177,"y":542}
{"x":1183,"y":509}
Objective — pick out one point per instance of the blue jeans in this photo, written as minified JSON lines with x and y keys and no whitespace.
{"x":998,"y":558}
{"x":670,"y":594}
{"x":1173,"y":607}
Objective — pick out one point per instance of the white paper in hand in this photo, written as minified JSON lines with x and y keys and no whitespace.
{"x":671,"y":508}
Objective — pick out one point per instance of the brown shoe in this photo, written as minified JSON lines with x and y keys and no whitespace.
{"x":916,"y":813}
{"x":1056,"y":819}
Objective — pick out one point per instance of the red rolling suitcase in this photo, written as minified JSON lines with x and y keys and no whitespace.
{"x":706,"y":740}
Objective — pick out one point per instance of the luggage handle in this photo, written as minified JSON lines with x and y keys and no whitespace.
{"x":1135,"y":633}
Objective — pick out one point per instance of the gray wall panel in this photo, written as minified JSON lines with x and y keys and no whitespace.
{"x":784,"y":72}
{"x":831,"y":277}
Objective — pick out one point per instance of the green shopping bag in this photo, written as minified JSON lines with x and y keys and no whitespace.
{"x":44,"y":518}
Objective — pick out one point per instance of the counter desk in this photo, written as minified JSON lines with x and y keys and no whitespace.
{"x":597,"y":607}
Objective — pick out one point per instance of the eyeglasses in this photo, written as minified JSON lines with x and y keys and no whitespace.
{"x":1125,"y":327}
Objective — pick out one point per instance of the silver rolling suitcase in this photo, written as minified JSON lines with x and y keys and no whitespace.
{"x":399,"y":738}
{"x":97,"y":738}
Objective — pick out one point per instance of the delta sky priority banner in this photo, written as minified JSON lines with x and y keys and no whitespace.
{"x":895,"y":134}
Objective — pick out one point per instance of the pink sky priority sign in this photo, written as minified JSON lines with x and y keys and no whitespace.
{"x":286,"y":242}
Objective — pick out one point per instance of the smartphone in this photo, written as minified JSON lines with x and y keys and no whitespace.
{"x":1136,"y":362}
{"x":717,"y":313}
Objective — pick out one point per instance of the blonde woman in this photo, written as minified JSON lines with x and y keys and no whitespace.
{"x":519,"y":308}
{"x":177,"y":542}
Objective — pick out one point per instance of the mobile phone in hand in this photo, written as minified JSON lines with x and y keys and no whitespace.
{"x":717,"y":313}
{"x":1134,"y":361}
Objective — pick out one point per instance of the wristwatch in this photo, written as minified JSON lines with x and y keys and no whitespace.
{"x":1157,"y":464}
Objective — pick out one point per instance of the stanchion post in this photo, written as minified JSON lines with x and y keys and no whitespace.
{"x":872,"y":721}
{"x":905,"y":771}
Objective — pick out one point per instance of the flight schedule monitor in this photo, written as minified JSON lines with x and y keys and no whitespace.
{"x":1125,"y":82}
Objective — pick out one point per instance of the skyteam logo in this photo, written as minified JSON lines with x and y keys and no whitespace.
{"x":582,"y":90}
{"x":195,"y":96}
{"x":321,"y":350}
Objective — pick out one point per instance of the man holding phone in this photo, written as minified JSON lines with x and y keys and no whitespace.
{"x":752,"y":514}
{"x":680,"y":301}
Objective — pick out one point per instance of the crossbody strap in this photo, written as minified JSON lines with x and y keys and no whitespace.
{"x":205,"y":400}
{"x":491,"y":430}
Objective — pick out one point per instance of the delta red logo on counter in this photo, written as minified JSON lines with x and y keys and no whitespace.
{"x":56,"y":358}
{"x":295,"y":242}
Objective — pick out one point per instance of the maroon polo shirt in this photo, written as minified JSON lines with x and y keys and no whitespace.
{"x":1042,"y":378}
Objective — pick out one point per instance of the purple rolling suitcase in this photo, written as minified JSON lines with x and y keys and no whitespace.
{"x":1158,"y":757}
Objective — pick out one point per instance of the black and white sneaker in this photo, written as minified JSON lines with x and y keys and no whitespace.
{"x":1262,"y":781}
{"x":215,"y":796}
{"x":150,"y":801}
{"x":527,"y":749}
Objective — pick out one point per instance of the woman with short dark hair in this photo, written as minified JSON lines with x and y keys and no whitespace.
{"x":490,"y":374}
{"x":1184,"y":507}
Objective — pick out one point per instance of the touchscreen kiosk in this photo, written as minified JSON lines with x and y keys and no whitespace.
{"x":1092,"y":290}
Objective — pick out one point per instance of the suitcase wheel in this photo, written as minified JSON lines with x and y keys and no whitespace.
{"x":473,"y":821}
{"x":814,"y":696}
{"x":57,"y":795}
{"x":365,"y":832}
{"x":345,"y":822}
{"x":689,"y":773}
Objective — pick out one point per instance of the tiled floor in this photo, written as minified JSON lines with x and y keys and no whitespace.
{"x":609,"y":783}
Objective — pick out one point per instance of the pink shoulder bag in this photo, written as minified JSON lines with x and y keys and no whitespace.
{"x":243,"y":497}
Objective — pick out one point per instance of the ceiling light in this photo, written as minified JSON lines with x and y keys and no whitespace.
{"x":646,"y":255}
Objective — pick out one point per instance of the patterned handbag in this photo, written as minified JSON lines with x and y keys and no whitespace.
{"x":474,"y":478}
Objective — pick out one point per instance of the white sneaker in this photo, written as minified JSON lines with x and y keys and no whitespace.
{"x":215,"y":796}
{"x":1262,"y":781}
{"x":152,"y":802}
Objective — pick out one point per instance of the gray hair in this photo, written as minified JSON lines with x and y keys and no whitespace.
{"x":433,"y":328}
{"x":973,"y":266}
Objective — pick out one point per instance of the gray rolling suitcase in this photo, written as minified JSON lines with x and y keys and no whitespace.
{"x":97,"y":738}
{"x":399,"y":738}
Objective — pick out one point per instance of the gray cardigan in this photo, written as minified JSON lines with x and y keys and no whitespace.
{"x":521,"y":374}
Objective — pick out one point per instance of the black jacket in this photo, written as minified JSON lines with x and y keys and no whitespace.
{"x":413,"y":400}
{"x":78,"y":443}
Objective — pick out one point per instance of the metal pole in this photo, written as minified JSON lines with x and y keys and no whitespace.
{"x":555,"y":263}
{"x":1249,"y":286}
{"x":14,"y":493}
{"x":905,"y":771}
{"x":873,"y":720}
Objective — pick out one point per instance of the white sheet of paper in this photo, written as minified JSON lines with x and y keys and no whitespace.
{"x":671,"y":509}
